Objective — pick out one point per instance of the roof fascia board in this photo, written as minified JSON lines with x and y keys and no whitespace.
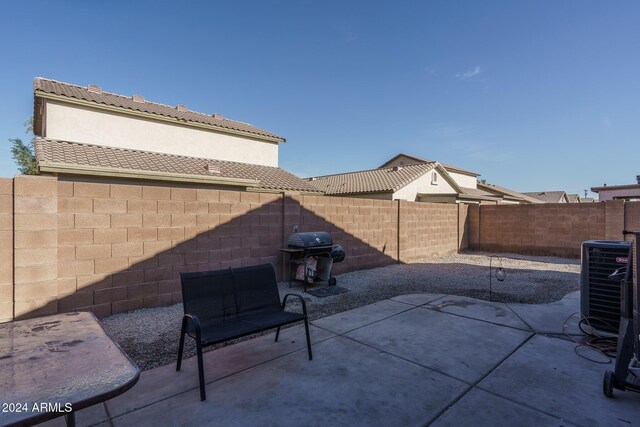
{"x":462,"y":172}
{"x":141,"y":174}
{"x":616,"y":187}
{"x":173,"y":120}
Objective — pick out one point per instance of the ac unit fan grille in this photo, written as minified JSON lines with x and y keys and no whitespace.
{"x":604,"y":293}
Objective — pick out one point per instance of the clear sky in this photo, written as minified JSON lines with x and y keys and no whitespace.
{"x":533,"y":95}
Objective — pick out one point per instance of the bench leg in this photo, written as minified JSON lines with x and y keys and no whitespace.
{"x":306,"y":329}
{"x":277,"y":333}
{"x":203,"y":394}
{"x":183,"y":332}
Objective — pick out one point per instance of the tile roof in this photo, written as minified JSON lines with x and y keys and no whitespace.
{"x":547,"y":196}
{"x":97,"y":96}
{"x":57,"y":152}
{"x":477,"y":194}
{"x":449,"y":168}
{"x":370,"y":181}
{"x":493,"y":188}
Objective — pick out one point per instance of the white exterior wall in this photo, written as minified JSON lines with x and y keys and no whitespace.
{"x":423,"y":185}
{"x":604,"y":195}
{"x":79,"y":124}
{"x":464,"y":180}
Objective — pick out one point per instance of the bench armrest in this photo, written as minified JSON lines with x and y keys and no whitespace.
{"x":195,"y":322}
{"x":304,"y":304}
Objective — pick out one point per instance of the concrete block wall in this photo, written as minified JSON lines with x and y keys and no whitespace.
{"x":112,"y":247}
{"x":632,"y":217}
{"x":427,"y":230}
{"x":122,"y":247}
{"x":366,"y":228}
{"x":36,"y":286}
{"x":6,"y":249}
{"x":548,"y":229}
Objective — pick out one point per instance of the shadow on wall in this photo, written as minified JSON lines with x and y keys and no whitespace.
{"x":127,"y":268}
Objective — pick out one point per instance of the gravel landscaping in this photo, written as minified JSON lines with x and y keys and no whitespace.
{"x":150,"y":336}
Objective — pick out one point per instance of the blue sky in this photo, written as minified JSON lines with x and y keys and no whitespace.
{"x":537,"y":95}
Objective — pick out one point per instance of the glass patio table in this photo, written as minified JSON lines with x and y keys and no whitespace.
{"x":56,"y":365}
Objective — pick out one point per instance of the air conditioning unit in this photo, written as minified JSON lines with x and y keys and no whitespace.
{"x":600,"y":293}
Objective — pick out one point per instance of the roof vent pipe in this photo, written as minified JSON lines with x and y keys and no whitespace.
{"x":218,"y":116}
{"x":181,"y":107}
{"x":397,"y":168}
{"x":138,"y":98}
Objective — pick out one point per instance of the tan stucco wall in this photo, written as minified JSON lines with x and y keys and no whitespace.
{"x":80,"y":124}
{"x":423,"y":185}
{"x":464,"y":180}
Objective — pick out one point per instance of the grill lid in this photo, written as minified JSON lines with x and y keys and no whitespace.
{"x":310,"y":239}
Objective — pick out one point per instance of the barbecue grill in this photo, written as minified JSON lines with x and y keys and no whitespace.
{"x":305,"y":248}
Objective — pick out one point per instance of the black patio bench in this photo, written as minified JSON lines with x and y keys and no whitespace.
{"x":222,"y":305}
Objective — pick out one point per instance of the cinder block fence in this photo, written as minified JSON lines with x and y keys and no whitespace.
{"x":110,"y":247}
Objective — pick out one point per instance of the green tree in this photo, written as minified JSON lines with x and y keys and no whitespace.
{"x":23,"y":154}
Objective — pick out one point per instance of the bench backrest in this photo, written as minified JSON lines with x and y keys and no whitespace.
{"x":219,"y":295}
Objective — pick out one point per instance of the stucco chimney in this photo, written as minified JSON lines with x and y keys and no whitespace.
{"x":181,"y":107}
{"x":138,"y":98}
{"x":95,"y":89}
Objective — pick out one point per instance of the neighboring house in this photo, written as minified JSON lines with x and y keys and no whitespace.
{"x":87,"y":131}
{"x":549,"y":196}
{"x":407,"y":177}
{"x":573,"y":198}
{"x":630,"y":192}
{"x":508,"y":196}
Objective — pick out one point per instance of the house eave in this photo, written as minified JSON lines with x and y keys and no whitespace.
{"x":150,"y":116}
{"x":64,"y":168}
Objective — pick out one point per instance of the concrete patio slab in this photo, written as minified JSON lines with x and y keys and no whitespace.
{"x":164,"y":382}
{"x":464,"y":348}
{"x":493,"y":312}
{"x":550,"y":318}
{"x":479,"y":408}
{"x":546,"y":374}
{"x":417,"y":299}
{"x":346,"y":384}
{"x":86,"y":417}
{"x":361,"y":316}
{"x":398,"y":364}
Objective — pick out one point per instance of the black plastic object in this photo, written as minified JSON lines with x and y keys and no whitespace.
{"x":221,"y":305}
{"x":337,"y":253}
{"x":600,"y":285}
{"x":309,"y":239}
